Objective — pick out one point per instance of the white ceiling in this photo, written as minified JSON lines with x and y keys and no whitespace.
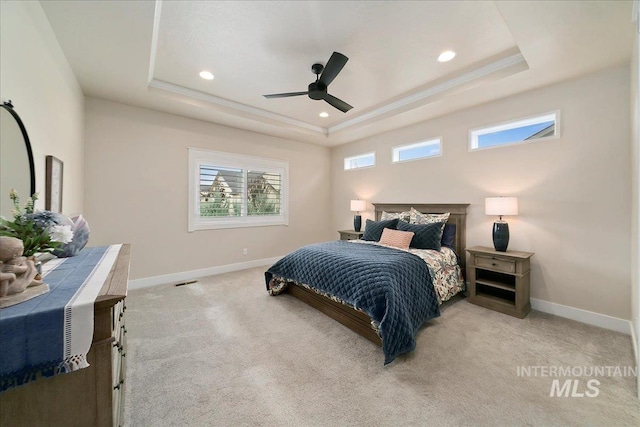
{"x":149,"y":54}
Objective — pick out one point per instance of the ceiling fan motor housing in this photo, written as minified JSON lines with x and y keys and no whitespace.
{"x":317,"y":90}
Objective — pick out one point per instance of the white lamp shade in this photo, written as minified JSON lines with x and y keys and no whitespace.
{"x":501,"y":206}
{"x":358,"y":205}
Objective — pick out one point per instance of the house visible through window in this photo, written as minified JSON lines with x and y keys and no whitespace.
{"x":229,"y":190}
{"x":221,"y":191}
{"x":360,"y":161}
{"x":420,"y":150}
{"x":514,"y":132}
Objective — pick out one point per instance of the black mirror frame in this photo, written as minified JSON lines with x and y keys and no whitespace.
{"x":9,"y":107}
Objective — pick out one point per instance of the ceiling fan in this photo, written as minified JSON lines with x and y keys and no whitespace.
{"x":318,"y":89}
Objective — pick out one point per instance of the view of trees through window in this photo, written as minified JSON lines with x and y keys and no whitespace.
{"x":223,"y":190}
{"x":263,"y":193}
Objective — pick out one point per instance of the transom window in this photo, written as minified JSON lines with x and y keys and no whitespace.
{"x":419,"y":150}
{"x":230,"y":190}
{"x":360,"y":161}
{"x":529,"y":129}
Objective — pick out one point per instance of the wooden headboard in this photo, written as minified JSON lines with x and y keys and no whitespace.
{"x":458,"y":217}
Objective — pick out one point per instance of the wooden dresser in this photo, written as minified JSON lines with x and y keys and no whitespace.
{"x":93,"y":396}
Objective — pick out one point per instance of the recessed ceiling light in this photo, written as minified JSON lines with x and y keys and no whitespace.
{"x":324,"y":114}
{"x":447,"y":55}
{"x":206,"y":75}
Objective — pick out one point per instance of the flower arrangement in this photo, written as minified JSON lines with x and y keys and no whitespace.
{"x":39,"y":231}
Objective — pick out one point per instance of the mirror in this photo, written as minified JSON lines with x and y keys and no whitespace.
{"x":16,"y":160}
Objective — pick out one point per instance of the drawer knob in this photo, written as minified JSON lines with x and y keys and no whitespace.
{"x":494,"y":264}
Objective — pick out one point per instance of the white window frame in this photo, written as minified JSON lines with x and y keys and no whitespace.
{"x":512,"y":124}
{"x":347,"y":160}
{"x":395,"y":151}
{"x":199,"y":157}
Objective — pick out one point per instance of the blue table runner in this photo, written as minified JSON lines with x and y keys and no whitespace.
{"x":32,"y":333}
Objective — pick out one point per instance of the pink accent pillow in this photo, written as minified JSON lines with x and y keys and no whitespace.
{"x":396,"y":238}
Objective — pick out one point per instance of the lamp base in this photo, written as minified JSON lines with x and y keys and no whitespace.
{"x":500,"y":236}
{"x":357,"y":222}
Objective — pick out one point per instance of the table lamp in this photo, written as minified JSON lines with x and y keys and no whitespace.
{"x":501,"y":206}
{"x":358,"y":206}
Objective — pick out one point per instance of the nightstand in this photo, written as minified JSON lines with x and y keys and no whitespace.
{"x":350,"y":234}
{"x":500,"y":280}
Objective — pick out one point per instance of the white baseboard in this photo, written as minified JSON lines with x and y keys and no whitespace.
{"x":584,"y":316}
{"x":196,"y":274}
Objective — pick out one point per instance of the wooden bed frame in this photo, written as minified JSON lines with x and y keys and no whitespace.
{"x":357,"y":320}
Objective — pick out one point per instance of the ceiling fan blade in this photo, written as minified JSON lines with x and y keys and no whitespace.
{"x":338,"y":103}
{"x":285,"y":95}
{"x":333,"y":67}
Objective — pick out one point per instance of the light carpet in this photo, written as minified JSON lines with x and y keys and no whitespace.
{"x":222,"y":352}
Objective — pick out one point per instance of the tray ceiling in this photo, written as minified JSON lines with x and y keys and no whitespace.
{"x":150,"y":53}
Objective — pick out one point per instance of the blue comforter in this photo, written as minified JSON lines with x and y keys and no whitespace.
{"x":392,"y":286}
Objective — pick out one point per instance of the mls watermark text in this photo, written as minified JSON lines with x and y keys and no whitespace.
{"x":576,"y":381}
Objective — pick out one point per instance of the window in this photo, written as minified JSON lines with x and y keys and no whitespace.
{"x":229,"y":190}
{"x":360,"y":161}
{"x":420,"y":150}
{"x":515,"y":132}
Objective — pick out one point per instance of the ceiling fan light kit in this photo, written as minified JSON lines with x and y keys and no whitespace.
{"x":324,"y":76}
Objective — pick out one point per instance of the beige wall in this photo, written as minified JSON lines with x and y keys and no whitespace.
{"x":36,"y":77}
{"x":574,"y":191}
{"x":136,"y":190}
{"x":635,"y":187}
{"x":575,"y":210}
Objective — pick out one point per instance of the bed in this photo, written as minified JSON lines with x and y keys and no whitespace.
{"x":341,"y":309}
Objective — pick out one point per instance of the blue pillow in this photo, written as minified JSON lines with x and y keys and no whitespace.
{"x":427,"y":236}
{"x":449,"y":236}
{"x":373,"y":229}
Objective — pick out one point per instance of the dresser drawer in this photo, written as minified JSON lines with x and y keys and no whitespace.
{"x":119,"y":369}
{"x":496,"y":264}
{"x":118,"y":315}
{"x":118,"y":405}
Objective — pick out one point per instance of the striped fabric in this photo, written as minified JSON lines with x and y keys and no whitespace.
{"x":396,"y":238}
{"x":373,"y":229}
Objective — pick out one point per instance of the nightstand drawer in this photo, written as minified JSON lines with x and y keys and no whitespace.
{"x":350,"y":234}
{"x":350,"y":237}
{"x":495,"y":264}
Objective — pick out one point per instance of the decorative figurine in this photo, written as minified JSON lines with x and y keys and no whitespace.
{"x":14,"y":263}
